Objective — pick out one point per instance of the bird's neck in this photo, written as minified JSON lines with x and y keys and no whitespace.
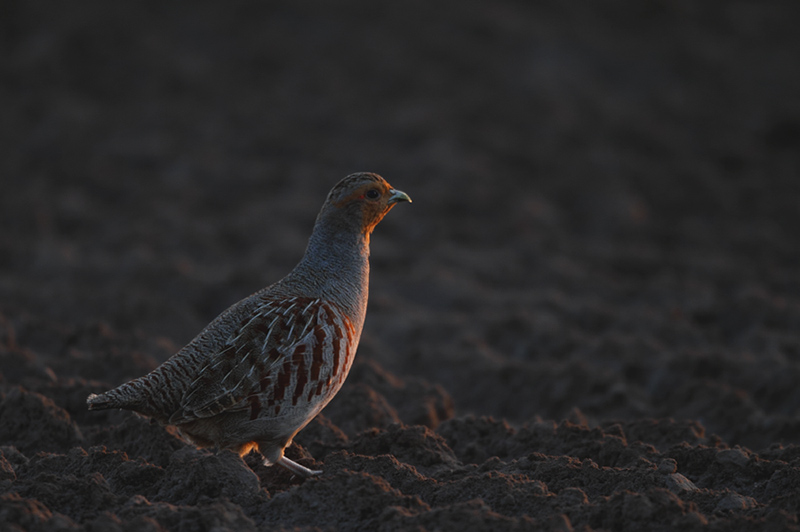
{"x":335,"y":267}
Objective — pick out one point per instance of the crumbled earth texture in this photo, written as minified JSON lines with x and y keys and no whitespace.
{"x":588,"y":319}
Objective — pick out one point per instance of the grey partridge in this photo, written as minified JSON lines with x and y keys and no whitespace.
{"x":263,"y":369}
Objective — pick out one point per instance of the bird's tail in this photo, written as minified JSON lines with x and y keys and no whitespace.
{"x":126,"y":396}
{"x":100,"y":401}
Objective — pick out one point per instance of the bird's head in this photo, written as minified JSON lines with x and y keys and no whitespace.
{"x":364,"y":199}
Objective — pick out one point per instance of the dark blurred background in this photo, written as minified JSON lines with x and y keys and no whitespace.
{"x":605,"y":196}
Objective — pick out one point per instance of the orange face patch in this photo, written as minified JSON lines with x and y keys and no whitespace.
{"x":360,"y":193}
{"x":372,"y":210}
{"x":375,"y":209}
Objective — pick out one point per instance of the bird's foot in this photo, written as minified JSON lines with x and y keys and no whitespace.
{"x":294,"y":467}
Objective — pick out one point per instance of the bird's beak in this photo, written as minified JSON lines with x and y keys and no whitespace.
{"x":398,"y":195}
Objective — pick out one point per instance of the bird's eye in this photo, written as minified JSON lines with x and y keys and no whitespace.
{"x":372,"y":193}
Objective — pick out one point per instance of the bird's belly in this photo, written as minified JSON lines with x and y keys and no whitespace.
{"x":262,"y":418}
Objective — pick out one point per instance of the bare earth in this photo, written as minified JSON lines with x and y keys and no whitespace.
{"x":588,"y":319}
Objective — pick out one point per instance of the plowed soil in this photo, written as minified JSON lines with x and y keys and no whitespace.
{"x":588,"y":319}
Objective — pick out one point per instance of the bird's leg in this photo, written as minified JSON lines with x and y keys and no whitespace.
{"x":294,"y":467}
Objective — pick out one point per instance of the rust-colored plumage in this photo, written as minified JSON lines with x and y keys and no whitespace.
{"x":265,"y":367}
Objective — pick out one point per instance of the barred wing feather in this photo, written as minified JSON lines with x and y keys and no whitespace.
{"x":249,"y":360}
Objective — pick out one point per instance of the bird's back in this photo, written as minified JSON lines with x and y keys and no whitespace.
{"x":264,"y":354}
{"x":160,"y":393}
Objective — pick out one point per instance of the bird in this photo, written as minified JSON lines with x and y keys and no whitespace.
{"x":266,"y":366}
